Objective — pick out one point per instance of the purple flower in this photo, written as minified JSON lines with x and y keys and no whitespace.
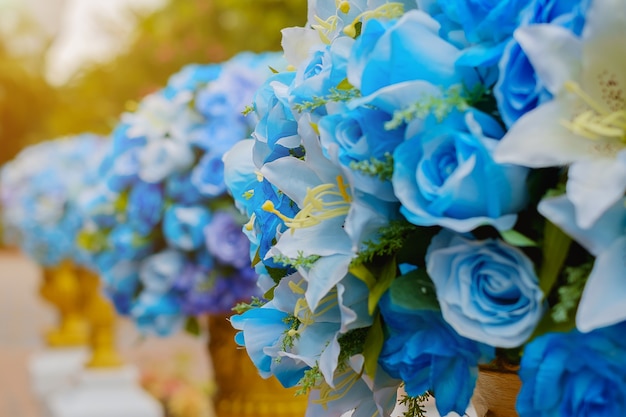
{"x":226,"y":241}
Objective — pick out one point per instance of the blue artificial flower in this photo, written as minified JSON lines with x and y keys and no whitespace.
{"x":208,"y":175}
{"x":446,"y":176}
{"x":215,"y":294}
{"x":325,"y":69}
{"x":482,"y":26}
{"x":156,"y":314}
{"x":158,"y":272}
{"x":190,"y":78}
{"x":277,"y":130}
{"x":121,"y":282}
{"x":126,"y":243}
{"x":285,"y":337}
{"x":179,"y":188}
{"x":519,"y":89}
{"x":162,"y":157}
{"x":183,"y":226}
{"x":487,"y":290}
{"x":145,"y":206}
{"x":408,"y":49}
{"x":41,"y":196}
{"x":225,"y":240}
{"x":360,"y":135}
{"x":574,"y":374}
{"x":427,"y":354}
{"x":123,"y":170}
{"x":218,"y":135}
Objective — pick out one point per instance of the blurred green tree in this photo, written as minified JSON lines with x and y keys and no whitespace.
{"x":25,"y":97}
{"x":182,"y":32}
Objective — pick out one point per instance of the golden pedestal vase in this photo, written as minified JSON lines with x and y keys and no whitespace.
{"x":85,"y":316}
{"x":241,"y":392}
{"x":62,"y":288}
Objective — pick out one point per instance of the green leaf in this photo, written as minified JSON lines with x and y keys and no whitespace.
{"x":378,"y":282}
{"x":555,"y":248}
{"x":276,"y":273}
{"x":414,"y":291}
{"x":515,"y":238}
{"x":373,"y":346}
{"x":364,"y":274}
{"x":386,"y":278}
{"x":192,"y":326}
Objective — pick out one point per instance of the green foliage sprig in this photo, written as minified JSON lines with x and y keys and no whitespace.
{"x":455,"y":97}
{"x":570,"y":293}
{"x":334,"y":95}
{"x":383,"y":169}
{"x":415,"y":405}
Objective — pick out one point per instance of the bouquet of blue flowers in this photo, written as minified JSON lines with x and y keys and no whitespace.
{"x":40,"y":191}
{"x":165,"y":234}
{"x":436,"y":186}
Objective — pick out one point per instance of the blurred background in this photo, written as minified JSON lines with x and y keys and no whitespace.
{"x":72,"y":66}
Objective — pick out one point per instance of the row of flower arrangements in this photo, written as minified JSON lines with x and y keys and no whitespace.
{"x":437,"y":185}
{"x":430,"y":186}
{"x":147,"y":208}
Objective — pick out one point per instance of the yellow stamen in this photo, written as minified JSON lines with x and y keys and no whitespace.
{"x":325,"y":27}
{"x":250,"y":225}
{"x":344,"y":6}
{"x":597,"y":122}
{"x":386,"y":11}
{"x":317,"y":206}
{"x":343,"y":386}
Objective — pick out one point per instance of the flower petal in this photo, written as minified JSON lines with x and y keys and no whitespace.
{"x":554,"y":52}
{"x":539,"y":140}
{"x":602,"y":303}
{"x":594,"y":186}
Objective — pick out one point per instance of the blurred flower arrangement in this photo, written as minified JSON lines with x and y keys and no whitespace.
{"x":164,"y":233}
{"x":180,"y":395}
{"x":439,"y":185}
{"x":39,"y":193}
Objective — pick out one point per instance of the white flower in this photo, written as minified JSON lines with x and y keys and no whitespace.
{"x":584,"y":127}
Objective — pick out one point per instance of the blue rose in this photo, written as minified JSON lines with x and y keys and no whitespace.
{"x":518,"y":89}
{"x":484,"y":26}
{"x":359,"y":135}
{"x":427,"y":354}
{"x":405,"y":50}
{"x":487,"y":290}
{"x":183,"y":226}
{"x":158,"y":272}
{"x":145,"y":206}
{"x":277,"y":130}
{"x":157,"y":314}
{"x":574,"y":374}
{"x":446,"y":176}
{"x":325,"y":69}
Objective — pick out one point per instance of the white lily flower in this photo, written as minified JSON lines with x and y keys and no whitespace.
{"x":584,"y":127}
